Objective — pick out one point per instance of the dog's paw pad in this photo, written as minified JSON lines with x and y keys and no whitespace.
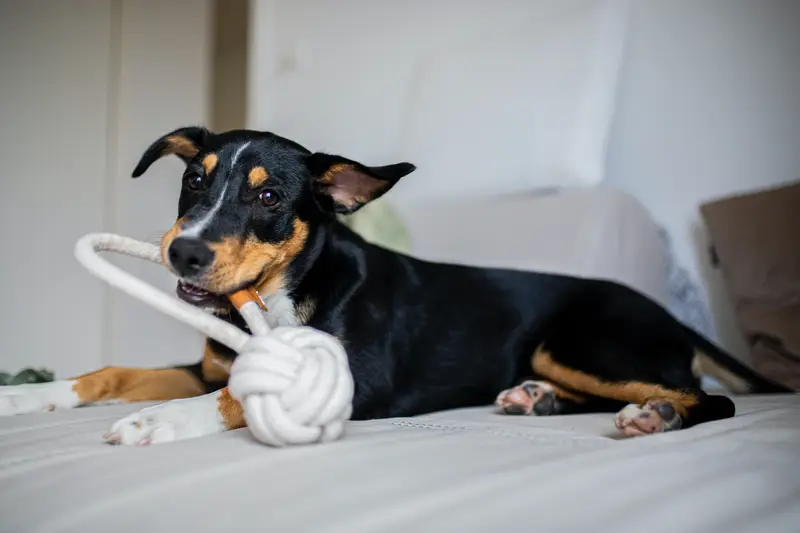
{"x":530,"y":397}
{"x":143,"y":429}
{"x":655,"y":416}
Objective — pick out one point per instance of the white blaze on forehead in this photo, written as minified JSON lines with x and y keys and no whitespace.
{"x":197,"y":226}
{"x":195,"y":229}
{"x":238,"y":152}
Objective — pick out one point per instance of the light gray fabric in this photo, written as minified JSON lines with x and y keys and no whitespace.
{"x":582,"y":232}
{"x":460,"y":471}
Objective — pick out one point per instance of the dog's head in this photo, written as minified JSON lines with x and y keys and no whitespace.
{"x":250,"y":205}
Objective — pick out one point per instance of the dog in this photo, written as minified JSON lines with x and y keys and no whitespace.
{"x":257,"y":210}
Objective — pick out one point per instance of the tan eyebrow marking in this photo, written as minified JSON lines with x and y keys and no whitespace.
{"x":209,"y":162}
{"x":257,"y":176}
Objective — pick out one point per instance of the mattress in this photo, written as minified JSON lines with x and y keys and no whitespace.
{"x":468,"y":470}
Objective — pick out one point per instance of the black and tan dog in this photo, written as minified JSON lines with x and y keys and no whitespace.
{"x":259,"y":210}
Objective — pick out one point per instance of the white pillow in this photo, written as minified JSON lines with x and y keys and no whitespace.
{"x":526,"y":107}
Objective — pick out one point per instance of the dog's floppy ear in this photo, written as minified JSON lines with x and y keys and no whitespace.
{"x":183,"y":142}
{"x":343,"y":186}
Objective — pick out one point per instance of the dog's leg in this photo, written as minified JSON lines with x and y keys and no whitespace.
{"x":178,"y":420}
{"x":652,"y":407}
{"x":657,"y":414}
{"x":107,"y":385}
{"x":620,"y":349}
{"x":188,"y":417}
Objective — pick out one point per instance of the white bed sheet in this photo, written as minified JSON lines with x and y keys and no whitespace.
{"x":461,"y":471}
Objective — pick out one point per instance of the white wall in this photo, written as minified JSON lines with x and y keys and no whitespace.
{"x":54,"y":60}
{"x":709,"y":105}
{"x":164,"y":84}
{"x":86,"y":85}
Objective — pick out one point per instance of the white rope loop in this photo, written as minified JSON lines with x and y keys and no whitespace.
{"x":86,"y":252}
{"x":294,"y":383}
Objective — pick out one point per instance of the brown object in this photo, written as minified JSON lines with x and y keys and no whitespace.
{"x":239,"y":298}
{"x":114,"y":383}
{"x":633,"y":392}
{"x":230,"y":410}
{"x":755,"y":240}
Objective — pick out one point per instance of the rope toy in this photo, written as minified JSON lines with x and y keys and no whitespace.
{"x":293,"y":383}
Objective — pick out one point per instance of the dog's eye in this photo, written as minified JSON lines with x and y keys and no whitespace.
{"x":194,"y":181}
{"x":268,"y":197}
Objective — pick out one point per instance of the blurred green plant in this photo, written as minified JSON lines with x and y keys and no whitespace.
{"x":377,"y":222}
{"x":26,"y":375}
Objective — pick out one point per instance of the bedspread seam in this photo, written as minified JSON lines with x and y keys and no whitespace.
{"x":580,"y":441}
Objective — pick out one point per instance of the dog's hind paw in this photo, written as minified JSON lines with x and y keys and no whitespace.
{"x":655,"y":416}
{"x":528,"y":398}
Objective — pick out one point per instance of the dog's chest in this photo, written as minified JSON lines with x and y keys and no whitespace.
{"x":280,"y":310}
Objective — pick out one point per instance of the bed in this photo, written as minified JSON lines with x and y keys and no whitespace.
{"x":469,"y":470}
{"x":462,"y":471}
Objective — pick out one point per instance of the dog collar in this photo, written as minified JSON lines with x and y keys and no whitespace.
{"x":243,"y":296}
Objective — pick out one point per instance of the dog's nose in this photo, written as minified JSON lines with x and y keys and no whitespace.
{"x":189,"y":257}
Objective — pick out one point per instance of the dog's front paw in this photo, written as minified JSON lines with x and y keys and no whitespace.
{"x":168,"y":422}
{"x":37,"y":397}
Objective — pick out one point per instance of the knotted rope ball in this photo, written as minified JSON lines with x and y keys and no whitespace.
{"x":294,"y":383}
{"x":295,"y":386}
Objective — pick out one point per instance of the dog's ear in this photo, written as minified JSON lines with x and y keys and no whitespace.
{"x":183,"y":142}
{"x":343,"y":186}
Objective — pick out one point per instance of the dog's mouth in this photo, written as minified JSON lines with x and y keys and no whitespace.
{"x":200,"y":297}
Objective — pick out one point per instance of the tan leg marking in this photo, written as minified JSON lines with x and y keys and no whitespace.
{"x":631,"y":391}
{"x":136,"y":385}
{"x":231,"y":410}
{"x":215,"y":367}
